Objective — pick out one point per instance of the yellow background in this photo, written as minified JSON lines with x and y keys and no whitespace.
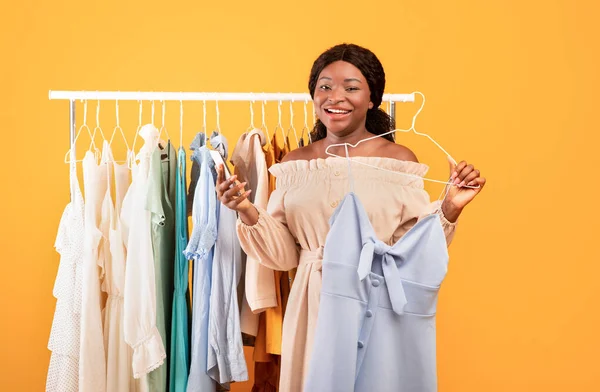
{"x":512,"y":86}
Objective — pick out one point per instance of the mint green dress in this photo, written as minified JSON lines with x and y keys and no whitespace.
{"x":160,"y":201}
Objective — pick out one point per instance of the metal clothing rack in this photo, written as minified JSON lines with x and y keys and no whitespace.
{"x":73,"y":96}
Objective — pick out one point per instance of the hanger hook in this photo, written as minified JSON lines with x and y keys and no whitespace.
{"x":69,"y":156}
{"x":152,"y":118}
{"x":218,"y":117}
{"x":163,"y":127}
{"x":180,"y":123}
{"x":414,"y":120}
{"x":97,"y":128}
{"x":252,"y":114}
{"x":85,"y":103}
{"x":264,"y":119}
{"x":279,"y":114}
{"x":139,"y":127}
{"x":305,"y":128}
{"x":292,"y":127}
{"x":305,"y":113}
{"x":203,"y":116}
{"x":118,"y":128}
{"x":140,"y":115}
{"x":117,"y":111}
{"x":98,"y":114}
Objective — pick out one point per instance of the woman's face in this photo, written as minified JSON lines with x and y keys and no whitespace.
{"x":342,"y":98}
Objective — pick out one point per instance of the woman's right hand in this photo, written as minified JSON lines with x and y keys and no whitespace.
{"x":231,"y":192}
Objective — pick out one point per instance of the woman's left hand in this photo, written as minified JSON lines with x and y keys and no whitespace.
{"x":467,"y":183}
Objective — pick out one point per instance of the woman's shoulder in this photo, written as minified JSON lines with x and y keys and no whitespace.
{"x":305,"y":153}
{"x":397,"y":151}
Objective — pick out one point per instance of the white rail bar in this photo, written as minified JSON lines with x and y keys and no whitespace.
{"x":196,"y":96}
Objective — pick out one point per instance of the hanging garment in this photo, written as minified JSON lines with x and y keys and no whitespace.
{"x":199,"y":140}
{"x":92,"y":355}
{"x":385,"y":297}
{"x":159,"y":201}
{"x":394,"y":203}
{"x":226,"y":362}
{"x":274,"y":316}
{"x":63,"y":371}
{"x":250,"y":166}
{"x":200,"y":249}
{"x":180,"y":343}
{"x":141,"y":332}
{"x":119,"y":373}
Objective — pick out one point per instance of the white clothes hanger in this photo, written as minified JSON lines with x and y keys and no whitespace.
{"x":203,"y":117}
{"x":180,"y":123}
{"x":279,"y":126}
{"x":264,"y":122}
{"x":139,"y":127}
{"x":164,"y":144}
{"x":305,"y":128}
{"x":97,"y":128}
{"x":69,"y":157}
{"x":114,"y":132}
{"x":214,"y":153}
{"x":411,"y":129}
{"x":218,"y":117}
{"x":251,"y":126}
{"x":162,"y":126}
{"x":291,"y":128}
{"x":314,"y":120}
{"x":160,"y":142}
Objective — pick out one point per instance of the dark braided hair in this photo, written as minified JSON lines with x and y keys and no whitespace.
{"x":378,"y":121}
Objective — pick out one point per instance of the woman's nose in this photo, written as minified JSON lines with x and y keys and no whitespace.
{"x":336,"y":95}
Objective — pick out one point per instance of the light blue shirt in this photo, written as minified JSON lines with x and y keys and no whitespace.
{"x":226,"y":362}
{"x":200,"y":250}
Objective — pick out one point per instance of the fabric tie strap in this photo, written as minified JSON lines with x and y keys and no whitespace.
{"x":391,"y":274}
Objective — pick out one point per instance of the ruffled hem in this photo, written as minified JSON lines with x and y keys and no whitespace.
{"x":195,"y":253}
{"x":291,"y":172}
{"x":148,"y":355}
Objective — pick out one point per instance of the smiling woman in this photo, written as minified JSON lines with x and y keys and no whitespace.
{"x":347,"y":84}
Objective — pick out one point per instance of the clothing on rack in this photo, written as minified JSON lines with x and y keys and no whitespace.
{"x":119,"y":372}
{"x":92,"y":354}
{"x":226,"y":362}
{"x":295,"y":216}
{"x":274,"y":316}
{"x":180,"y":343}
{"x":141,"y":331}
{"x":159,"y":201}
{"x":200,"y":249}
{"x":250,"y":166}
{"x":64,"y":343}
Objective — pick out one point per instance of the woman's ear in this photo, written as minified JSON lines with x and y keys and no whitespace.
{"x":370,"y":105}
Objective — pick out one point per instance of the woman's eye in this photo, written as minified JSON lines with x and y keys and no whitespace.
{"x":324,"y":87}
{"x":352,"y":89}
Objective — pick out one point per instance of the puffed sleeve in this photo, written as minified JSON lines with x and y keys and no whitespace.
{"x":269,"y":240}
{"x":449,"y":227}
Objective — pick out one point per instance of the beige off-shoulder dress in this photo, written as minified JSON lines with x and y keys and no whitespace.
{"x":292,"y":231}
